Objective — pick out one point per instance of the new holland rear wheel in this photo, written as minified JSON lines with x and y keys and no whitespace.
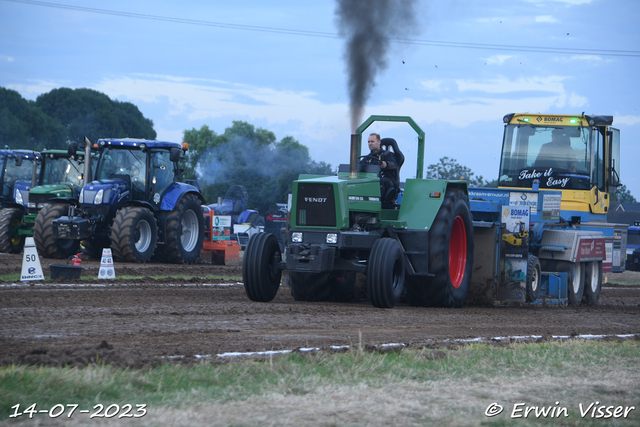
{"x":134,"y":234}
{"x":184,"y":232}
{"x":450,"y":256}
{"x":10,"y":221}
{"x":593,"y":282}
{"x":575,"y":287}
{"x":47,"y":246}
{"x":261,"y":273}
{"x":385,"y":273}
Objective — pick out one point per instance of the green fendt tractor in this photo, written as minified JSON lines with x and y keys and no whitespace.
{"x":59,"y":176}
{"x":417,"y":241}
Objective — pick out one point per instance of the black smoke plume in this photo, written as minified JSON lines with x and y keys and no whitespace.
{"x":369,"y":26}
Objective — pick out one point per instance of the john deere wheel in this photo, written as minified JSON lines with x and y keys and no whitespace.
{"x":260,"y":271}
{"x":47,"y":246}
{"x":134,"y":234}
{"x":450,"y":256}
{"x":10,"y":221}
{"x":309,"y":286}
{"x":385,"y":273}
{"x":184,"y":232}
{"x":575,"y":287}
{"x":533,"y":278}
{"x":593,"y":282}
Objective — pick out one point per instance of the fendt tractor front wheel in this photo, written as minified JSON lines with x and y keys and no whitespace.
{"x":534,"y":274}
{"x":10,"y":220}
{"x":184,"y":232}
{"x":450,"y":256}
{"x":47,"y":246}
{"x":593,"y":282}
{"x":134,"y":234}
{"x":385,"y":273}
{"x":261,"y":273}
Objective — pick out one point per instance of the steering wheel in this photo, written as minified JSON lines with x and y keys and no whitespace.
{"x":368,"y":156}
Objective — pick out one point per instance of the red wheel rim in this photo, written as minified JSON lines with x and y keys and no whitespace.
{"x":457,"y":252}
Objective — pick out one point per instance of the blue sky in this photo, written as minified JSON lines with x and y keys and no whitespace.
{"x":183,"y":75}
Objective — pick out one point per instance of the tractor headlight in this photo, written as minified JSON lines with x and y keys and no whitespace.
{"x":98,"y":199}
{"x":81,"y":198}
{"x":18,"y":197}
{"x":332,"y":238}
{"x":296,"y":237}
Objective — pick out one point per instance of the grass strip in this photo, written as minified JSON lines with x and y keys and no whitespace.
{"x":411,"y":387}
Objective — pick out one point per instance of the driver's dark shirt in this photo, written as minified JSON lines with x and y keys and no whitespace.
{"x":376,"y":157}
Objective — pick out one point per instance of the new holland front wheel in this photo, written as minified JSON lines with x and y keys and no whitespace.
{"x":593,"y":282}
{"x":10,"y":221}
{"x":134,"y":234}
{"x":261,"y":273}
{"x":47,"y":246}
{"x":450,"y":256}
{"x":184,"y":232}
{"x":385,"y":273}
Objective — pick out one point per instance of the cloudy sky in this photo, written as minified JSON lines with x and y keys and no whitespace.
{"x":280,"y":65}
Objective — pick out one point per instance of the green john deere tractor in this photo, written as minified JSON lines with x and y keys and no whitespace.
{"x":416,"y":242}
{"x":60,"y":175}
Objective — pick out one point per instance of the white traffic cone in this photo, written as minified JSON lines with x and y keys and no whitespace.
{"x":31,"y":268}
{"x":106,"y":265}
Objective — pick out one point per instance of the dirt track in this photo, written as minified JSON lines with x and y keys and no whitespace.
{"x":134,"y":324}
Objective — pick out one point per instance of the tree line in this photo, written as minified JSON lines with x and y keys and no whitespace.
{"x":241,"y":155}
{"x":63,"y":115}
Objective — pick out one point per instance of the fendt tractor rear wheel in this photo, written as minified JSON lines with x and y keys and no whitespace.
{"x":47,"y":246}
{"x":261,"y":273}
{"x":450,"y":256}
{"x":385,"y":273}
{"x":134,"y":234}
{"x":575,"y":287}
{"x":10,"y":220}
{"x":184,"y":232}
{"x":593,"y":282}
{"x":534,"y":272}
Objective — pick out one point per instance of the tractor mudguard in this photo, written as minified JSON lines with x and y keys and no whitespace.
{"x":174,"y":194}
{"x":420,"y":211}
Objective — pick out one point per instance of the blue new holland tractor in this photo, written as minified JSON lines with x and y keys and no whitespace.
{"x":135,"y":205}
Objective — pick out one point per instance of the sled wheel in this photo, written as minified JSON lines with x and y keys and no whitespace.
{"x":450,"y":256}
{"x":593,"y":282}
{"x":385,"y":273}
{"x":134,"y":234}
{"x":261,"y":272}
{"x":47,"y":246}
{"x":10,"y":221}
{"x":533,"y":278}
{"x":575,"y":287}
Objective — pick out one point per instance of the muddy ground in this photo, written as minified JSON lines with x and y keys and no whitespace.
{"x":145,"y":321}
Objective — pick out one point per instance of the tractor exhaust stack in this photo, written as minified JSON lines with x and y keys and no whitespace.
{"x":353,"y":163}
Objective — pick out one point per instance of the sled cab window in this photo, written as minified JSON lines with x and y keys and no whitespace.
{"x":557,"y":156}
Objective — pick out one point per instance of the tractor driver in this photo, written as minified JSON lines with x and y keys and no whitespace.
{"x":386,"y":160}
{"x":557,"y":153}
